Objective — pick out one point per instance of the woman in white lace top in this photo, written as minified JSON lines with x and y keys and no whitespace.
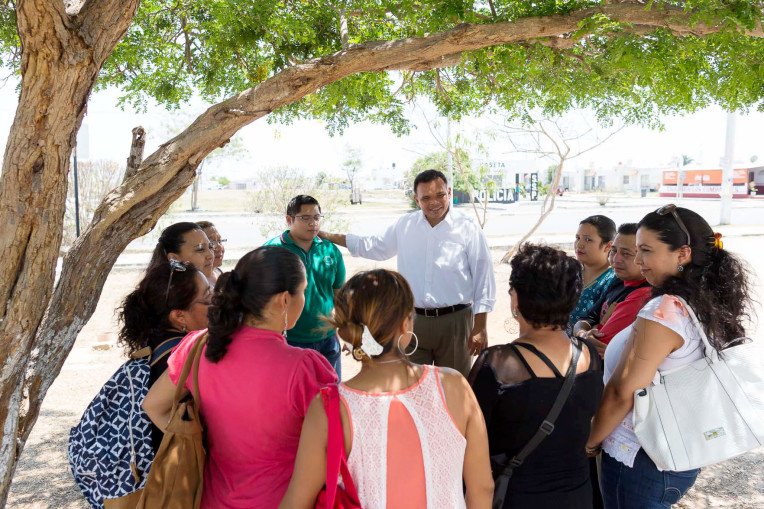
{"x":415,"y":434}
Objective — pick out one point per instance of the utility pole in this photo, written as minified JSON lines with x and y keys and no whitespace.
{"x":725,"y":215}
{"x":449,"y":158}
{"x":76,"y":194}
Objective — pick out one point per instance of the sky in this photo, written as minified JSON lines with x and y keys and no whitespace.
{"x":306,"y":144}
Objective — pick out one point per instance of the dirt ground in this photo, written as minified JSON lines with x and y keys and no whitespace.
{"x":43,"y":478}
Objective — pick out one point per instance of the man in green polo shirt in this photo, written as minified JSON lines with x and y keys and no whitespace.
{"x":325,"y":272}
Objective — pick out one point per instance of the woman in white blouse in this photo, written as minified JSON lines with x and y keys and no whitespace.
{"x":679,"y":255}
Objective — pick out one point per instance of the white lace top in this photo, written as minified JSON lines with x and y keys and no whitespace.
{"x":622,"y":443}
{"x":442,"y":444}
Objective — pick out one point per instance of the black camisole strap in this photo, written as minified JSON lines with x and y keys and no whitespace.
{"x":541,"y":356}
{"x":522,"y":359}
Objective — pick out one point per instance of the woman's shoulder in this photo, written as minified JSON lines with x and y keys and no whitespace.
{"x":671,"y":312}
{"x":450,"y":377}
{"x":502,"y":364}
{"x":664,"y":308}
{"x":309,"y":363}
{"x":181,"y":352}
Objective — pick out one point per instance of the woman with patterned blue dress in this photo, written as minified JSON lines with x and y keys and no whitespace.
{"x":593,"y":240}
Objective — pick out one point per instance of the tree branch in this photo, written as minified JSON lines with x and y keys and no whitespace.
{"x":102,"y":24}
{"x":135,"y":158}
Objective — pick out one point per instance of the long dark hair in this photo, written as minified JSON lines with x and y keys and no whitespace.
{"x":246,"y":290}
{"x":171,"y":241}
{"x":145,"y":312}
{"x":715,"y":283}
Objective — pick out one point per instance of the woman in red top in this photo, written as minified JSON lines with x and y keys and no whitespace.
{"x":254,"y":389}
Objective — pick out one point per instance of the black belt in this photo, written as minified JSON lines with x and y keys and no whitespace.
{"x":432,"y":312}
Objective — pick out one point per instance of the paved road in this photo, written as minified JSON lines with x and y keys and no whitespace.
{"x":504,"y":226}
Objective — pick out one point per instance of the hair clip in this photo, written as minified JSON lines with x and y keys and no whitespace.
{"x":718,"y":244}
{"x":369,"y":345}
{"x":356,"y":352}
{"x":234,"y":276}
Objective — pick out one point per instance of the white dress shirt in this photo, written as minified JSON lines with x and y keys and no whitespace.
{"x":445,"y":265}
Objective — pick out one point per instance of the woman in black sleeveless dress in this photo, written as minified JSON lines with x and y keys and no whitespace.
{"x":516,"y":385}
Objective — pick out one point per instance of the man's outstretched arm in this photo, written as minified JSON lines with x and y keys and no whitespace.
{"x":374,"y":247}
{"x":338,"y":239}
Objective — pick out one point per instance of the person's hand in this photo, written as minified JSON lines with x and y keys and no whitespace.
{"x":593,"y":336}
{"x":593,"y":450}
{"x":478,"y":341}
{"x":322,"y":234}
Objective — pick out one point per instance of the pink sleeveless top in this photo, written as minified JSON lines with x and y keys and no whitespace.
{"x":406,"y":449}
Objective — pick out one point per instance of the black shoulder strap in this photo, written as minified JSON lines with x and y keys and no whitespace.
{"x":546,"y":428}
{"x":543,"y":358}
{"x":517,"y":353}
{"x":164,"y":349}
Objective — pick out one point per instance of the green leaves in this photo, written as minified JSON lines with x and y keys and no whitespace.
{"x":620,"y":70}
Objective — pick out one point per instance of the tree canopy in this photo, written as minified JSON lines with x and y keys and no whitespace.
{"x":625,"y":60}
{"x":439,"y":161}
{"x":289,"y":59}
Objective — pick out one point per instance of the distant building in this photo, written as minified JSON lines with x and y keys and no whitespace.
{"x":706,"y":183}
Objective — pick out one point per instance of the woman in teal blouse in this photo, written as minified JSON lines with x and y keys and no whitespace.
{"x":593,"y":240}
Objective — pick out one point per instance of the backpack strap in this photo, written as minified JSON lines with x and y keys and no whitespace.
{"x":164,"y":349}
{"x":140,"y":354}
{"x":546,"y":429}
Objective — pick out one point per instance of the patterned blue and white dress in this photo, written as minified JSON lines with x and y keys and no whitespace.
{"x":589,"y":296}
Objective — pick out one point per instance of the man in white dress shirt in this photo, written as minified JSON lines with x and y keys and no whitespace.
{"x":445,"y":258}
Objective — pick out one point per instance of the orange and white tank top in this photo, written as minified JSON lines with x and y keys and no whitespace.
{"x":407,"y":451}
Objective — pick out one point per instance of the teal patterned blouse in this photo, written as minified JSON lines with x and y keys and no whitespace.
{"x":589,"y":296}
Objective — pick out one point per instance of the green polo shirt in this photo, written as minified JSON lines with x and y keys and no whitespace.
{"x":325,"y":272}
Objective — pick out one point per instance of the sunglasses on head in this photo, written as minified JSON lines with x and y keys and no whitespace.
{"x":671,"y":209}
{"x":175,"y":265}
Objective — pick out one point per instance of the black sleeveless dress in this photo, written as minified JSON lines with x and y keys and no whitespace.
{"x":515,"y":401}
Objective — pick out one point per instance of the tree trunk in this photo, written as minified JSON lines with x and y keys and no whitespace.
{"x":62,"y":54}
{"x":544,"y":210}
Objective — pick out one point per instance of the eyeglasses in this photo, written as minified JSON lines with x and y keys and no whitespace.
{"x":307,"y":219}
{"x":174,"y":265}
{"x":671,"y":209}
{"x":216,"y":243}
{"x":202,"y":246}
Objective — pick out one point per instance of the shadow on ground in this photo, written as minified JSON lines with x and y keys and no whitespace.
{"x":43,"y":478}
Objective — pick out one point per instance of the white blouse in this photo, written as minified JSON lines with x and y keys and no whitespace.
{"x":622,"y":443}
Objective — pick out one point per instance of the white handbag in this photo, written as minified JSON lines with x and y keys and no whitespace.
{"x":704,"y":412}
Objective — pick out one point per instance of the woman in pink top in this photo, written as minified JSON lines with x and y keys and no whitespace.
{"x":413,"y":433}
{"x":254,"y":389}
